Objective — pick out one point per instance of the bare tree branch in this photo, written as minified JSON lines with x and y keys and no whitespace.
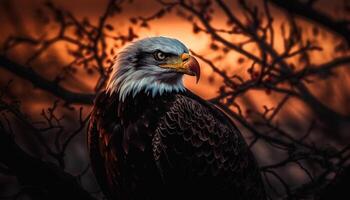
{"x":49,"y":86}
{"x":306,"y":11}
{"x":39,"y":175}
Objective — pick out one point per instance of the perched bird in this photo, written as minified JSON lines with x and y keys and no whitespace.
{"x":151,"y":138}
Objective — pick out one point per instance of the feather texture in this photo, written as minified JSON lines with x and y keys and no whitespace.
{"x":173,"y":146}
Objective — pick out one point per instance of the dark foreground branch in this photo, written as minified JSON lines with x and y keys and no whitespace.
{"x":338,"y":189}
{"x":308,"y":12}
{"x":42,"y":180}
{"x":44,"y":84}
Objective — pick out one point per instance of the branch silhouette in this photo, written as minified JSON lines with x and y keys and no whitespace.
{"x":40,"y":82}
{"x":270,"y":69}
{"x":306,"y":10}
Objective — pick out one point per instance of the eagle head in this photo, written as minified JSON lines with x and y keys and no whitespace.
{"x":153,"y":65}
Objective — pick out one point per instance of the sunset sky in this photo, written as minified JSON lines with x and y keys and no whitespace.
{"x":22,"y":18}
{"x":170,"y":25}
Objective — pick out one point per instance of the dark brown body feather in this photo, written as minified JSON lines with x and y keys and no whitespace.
{"x":174,"y":146}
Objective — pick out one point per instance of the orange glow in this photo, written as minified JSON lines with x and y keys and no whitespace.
{"x":295,"y":117}
{"x":174,"y":26}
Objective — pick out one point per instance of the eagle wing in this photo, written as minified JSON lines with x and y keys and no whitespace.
{"x":103,"y":156}
{"x":119,"y":142}
{"x":189,"y":147}
{"x":200,"y":142}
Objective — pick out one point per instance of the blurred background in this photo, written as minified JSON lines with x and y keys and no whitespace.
{"x":280,"y":68}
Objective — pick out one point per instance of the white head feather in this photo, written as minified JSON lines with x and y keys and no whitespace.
{"x":136,"y":70}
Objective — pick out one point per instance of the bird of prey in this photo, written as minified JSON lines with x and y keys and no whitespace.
{"x":151,"y":138}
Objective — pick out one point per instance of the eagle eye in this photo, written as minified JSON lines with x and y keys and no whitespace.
{"x":158,"y":55}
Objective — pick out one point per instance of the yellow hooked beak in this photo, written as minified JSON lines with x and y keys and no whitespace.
{"x":185,"y":64}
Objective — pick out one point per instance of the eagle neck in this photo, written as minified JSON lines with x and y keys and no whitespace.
{"x":132,"y":83}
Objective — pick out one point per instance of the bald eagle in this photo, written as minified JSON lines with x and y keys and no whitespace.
{"x":151,"y":138}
